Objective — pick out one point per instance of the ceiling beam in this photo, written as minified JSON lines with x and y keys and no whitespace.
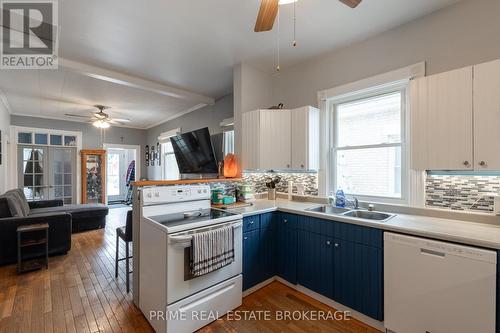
{"x":133,"y":82}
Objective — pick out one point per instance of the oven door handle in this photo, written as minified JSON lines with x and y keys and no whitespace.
{"x":186,"y":238}
{"x":180,"y":239}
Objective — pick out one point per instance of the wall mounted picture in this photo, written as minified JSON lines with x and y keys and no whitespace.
{"x":158,"y":152}
{"x":153,"y":156}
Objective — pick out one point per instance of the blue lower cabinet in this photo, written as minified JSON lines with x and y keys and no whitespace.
{"x":358,"y":277}
{"x":267,"y":246}
{"x":286,"y":243}
{"x":315,"y":263}
{"x":251,"y":269}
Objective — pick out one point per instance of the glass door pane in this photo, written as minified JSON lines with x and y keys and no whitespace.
{"x":62,"y":174}
{"x":116,"y":172}
{"x":33,"y":172}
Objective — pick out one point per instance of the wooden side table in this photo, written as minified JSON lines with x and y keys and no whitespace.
{"x":28,"y":236}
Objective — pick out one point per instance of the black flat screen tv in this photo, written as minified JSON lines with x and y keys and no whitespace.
{"x":195,"y":154}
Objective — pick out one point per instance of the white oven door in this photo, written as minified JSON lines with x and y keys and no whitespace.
{"x":179,"y":283}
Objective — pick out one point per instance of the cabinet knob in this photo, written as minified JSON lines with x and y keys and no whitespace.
{"x":251,"y":222}
{"x":328,"y":243}
{"x":466,"y":163}
{"x":302,"y":166}
{"x":482,"y":163}
{"x":245,"y":238}
{"x":285,"y":220}
{"x":288,"y":165}
{"x":336,"y":245}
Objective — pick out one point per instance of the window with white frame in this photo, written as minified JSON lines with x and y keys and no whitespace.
{"x":228,"y":142}
{"x":368,"y":145}
{"x":170,"y":168}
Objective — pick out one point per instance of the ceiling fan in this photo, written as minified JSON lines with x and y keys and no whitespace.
{"x":101,"y":119}
{"x":269,"y":9}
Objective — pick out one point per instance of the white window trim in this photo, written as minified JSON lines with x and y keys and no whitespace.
{"x":164,"y":139}
{"x":14,"y":131}
{"x":415,"y":180}
{"x":401,"y":87}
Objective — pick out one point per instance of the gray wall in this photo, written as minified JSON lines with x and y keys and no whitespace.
{"x":91,"y":135}
{"x":4,"y":127}
{"x":208,"y":116}
{"x":252,"y":91}
{"x":460,"y":35}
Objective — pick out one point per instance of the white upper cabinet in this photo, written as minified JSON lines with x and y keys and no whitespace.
{"x":487,"y":116}
{"x":275,"y":134}
{"x":441,"y":121}
{"x":281,"y":139}
{"x":305,"y":138}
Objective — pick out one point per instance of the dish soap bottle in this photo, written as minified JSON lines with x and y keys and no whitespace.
{"x":340,"y":198}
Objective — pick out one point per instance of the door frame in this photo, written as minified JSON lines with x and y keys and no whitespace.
{"x":122,"y":191}
{"x":138,"y":156}
{"x":13,"y":165}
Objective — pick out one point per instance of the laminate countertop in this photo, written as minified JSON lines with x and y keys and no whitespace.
{"x":464,"y":232}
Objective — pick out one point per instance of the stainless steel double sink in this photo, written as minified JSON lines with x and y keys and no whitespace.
{"x":355,"y":213}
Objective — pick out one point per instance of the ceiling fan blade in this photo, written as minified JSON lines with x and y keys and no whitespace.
{"x":77,"y":115}
{"x":115,"y":121}
{"x":351,"y":3}
{"x":122,"y":120}
{"x":267,"y":14}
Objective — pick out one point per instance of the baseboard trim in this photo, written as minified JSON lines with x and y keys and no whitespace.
{"x":258,"y":286}
{"x":379,"y":325}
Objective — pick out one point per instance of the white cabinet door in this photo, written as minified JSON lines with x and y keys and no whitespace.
{"x":441,"y":121}
{"x":275,"y":139}
{"x":487,"y":116}
{"x":305,"y":138}
{"x":250,"y":140}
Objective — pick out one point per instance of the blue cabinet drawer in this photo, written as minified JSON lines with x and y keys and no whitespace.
{"x":316,"y":225}
{"x":359,"y":234}
{"x":251,"y":223}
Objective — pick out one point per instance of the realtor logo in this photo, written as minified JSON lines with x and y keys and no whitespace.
{"x":29,"y":34}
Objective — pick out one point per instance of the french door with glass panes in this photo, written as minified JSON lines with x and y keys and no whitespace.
{"x":47,"y":173}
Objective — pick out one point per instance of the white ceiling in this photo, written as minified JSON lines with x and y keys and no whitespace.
{"x":191,"y":45}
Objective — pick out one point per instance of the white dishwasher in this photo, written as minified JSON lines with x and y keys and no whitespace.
{"x":438,"y":287}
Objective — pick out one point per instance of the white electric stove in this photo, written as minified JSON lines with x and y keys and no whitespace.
{"x":169,"y":297}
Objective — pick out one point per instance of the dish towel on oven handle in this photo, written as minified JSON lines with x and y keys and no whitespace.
{"x":211,"y":250}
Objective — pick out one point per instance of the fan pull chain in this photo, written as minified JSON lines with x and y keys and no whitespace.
{"x":294,"y":25}
{"x":278,"y":40}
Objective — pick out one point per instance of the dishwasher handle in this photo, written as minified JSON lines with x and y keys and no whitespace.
{"x":433,"y":253}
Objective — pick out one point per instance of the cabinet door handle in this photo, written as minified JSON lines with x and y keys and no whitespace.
{"x":288,"y":165}
{"x":466,"y":163}
{"x":482,"y":163}
{"x":251,"y":222}
{"x":245,"y":238}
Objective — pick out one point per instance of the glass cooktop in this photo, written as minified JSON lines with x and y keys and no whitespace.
{"x":170,"y":220}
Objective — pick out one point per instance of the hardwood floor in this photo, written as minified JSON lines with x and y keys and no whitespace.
{"x":79,"y":293}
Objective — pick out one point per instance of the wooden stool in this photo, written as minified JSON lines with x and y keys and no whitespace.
{"x":124,"y":233}
{"x":28,"y":236}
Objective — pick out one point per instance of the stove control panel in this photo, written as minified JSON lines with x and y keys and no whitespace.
{"x":167,"y":194}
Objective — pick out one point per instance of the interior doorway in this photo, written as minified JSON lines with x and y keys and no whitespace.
{"x":121,"y":169}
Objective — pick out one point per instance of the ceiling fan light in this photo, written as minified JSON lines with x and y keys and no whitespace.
{"x":101,"y":124}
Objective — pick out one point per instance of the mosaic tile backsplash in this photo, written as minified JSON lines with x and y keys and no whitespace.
{"x":310,"y":181}
{"x":461,"y":192}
